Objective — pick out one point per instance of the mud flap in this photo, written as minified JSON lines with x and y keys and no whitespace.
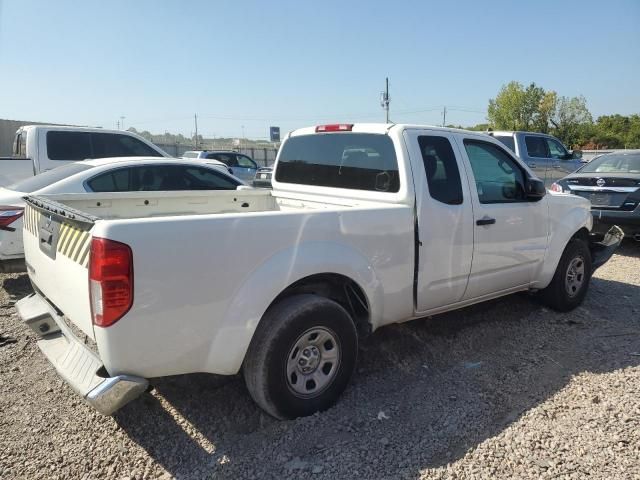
{"x":602,"y":248}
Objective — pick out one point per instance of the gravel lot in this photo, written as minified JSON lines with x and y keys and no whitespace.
{"x":503,"y":390}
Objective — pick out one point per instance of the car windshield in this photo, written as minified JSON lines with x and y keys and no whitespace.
{"x":614,"y":163}
{"x":31,"y":184}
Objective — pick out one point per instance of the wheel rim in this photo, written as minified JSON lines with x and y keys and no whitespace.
{"x":313,"y":362}
{"x":574,"y":278}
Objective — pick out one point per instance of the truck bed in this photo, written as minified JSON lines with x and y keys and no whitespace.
{"x":129,"y":205}
{"x":207,"y":266}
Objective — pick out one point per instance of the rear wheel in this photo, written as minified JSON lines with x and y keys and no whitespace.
{"x":301,"y":356}
{"x":571,"y":279}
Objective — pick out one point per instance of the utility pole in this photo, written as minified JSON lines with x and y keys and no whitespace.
{"x":195,"y":119}
{"x":385,"y":99}
{"x":444,"y":116}
{"x":118,"y":125}
{"x":122,"y":122}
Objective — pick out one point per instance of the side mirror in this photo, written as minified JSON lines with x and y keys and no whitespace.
{"x":535,"y":189}
{"x":576,"y":153}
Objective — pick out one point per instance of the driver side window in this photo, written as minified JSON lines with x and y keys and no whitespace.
{"x":245,"y":162}
{"x":556,"y":150}
{"x":498,"y":177}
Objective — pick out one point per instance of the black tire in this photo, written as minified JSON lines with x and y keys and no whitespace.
{"x":561,"y":294}
{"x":274,"y":350}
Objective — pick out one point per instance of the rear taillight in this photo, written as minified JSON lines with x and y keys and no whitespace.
{"x":110,"y":281}
{"x":336,"y":127}
{"x":8,"y":215}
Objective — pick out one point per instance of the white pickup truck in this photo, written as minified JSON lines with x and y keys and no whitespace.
{"x":38,"y":148}
{"x":366,"y":225}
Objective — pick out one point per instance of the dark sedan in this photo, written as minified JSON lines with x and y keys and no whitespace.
{"x":612,"y":183}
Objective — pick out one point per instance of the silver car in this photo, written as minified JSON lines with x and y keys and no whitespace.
{"x":544,"y":154}
{"x":240,"y":165}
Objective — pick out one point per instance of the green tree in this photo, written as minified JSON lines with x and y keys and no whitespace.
{"x":570,"y":118}
{"x":546,"y":109}
{"x":516,"y":107}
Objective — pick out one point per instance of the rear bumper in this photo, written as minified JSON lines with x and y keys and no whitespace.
{"x":629,"y":222}
{"x":80,"y":367}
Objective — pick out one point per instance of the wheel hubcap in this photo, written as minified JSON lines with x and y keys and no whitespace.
{"x":313,"y":362}
{"x":575,"y":276}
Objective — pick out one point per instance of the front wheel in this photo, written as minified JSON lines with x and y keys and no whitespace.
{"x":301,"y":356}
{"x":571,"y":279}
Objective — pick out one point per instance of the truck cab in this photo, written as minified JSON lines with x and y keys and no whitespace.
{"x":38,"y":148}
{"x":549,"y":159}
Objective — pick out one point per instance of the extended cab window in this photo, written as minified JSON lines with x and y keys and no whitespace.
{"x":498,"y":177}
{"x":107,"y":145}
{"x":67,"y":145}
{"x":443,"y":176}
{"x":357,"y":161}
{"x":536,"y":147}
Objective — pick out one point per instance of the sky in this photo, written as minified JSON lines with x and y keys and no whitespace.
{"x":243,"y":66}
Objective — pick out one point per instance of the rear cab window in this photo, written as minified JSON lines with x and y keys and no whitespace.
{"x":357,"y":161}
{"x":507,"y":140}
{"x":20,"y":144}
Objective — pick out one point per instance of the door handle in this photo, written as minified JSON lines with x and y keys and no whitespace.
{"x":486,"y":221}
{"x":532,"y":164}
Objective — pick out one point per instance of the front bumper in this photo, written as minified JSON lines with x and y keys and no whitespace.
{"x":603,"y":247}
{"x":80,"y":367}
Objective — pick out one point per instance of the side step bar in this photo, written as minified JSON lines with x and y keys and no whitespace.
{"x":75,"y":363}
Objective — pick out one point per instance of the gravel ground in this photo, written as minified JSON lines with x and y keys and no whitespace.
{"x":501,"y":390}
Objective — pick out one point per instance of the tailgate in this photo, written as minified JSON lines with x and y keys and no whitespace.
{"x":56,"y":247}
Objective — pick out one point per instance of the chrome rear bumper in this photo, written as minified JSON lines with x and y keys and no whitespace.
{"x":80,"y":367}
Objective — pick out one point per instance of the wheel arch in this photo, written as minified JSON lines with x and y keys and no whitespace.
{"x":574,"y":225}
{"x":339,"y":288}
{"x":323,"y":268}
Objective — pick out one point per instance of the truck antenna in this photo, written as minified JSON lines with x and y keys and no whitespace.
{"x":385,"y":99}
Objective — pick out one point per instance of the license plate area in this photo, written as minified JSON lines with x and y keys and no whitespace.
{"x":48,"y":235}
{"x":600,"y":199}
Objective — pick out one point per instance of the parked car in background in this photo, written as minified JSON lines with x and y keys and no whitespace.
{"x":544,"y":154}
{"x":104,"y":175}
{"x":240,"y":165}
{"x":612,"y":183}
{"x":38,"y":148}
{"x":263,"y":177}
{"x":366,"y":225}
